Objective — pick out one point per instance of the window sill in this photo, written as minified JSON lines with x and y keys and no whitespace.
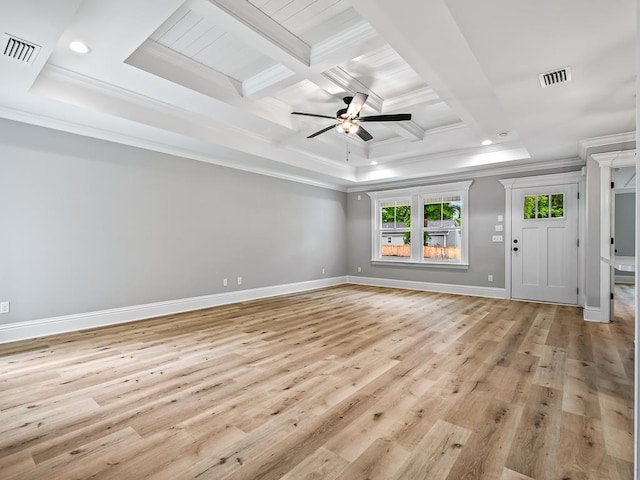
{"x":409,"y":263}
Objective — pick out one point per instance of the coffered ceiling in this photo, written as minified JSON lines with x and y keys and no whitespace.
{"x":217,"y":80}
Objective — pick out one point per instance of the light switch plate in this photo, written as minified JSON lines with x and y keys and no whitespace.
{"x":496,"y":238}
{"x":4,"y":307}
{"x":498,"y":228}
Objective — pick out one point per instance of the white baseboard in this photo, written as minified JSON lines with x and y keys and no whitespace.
{"x":628,"y":279}
{"x":592,"y":314}
{"x":471,"y":290}
{"x":71,"y":323}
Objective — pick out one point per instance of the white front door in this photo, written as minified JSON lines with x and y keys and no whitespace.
{"x":544,"y":244}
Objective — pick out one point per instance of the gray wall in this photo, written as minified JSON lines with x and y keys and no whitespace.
{"x":625,"y":223}
{"x":625,"y":226}
{"x":90,"y":225}
{"x":486,"y":202}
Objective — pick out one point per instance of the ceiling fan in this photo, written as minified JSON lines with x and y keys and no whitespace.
{"x":348,"y":119}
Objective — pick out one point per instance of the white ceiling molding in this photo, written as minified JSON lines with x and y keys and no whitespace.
{"x":476,"y":172}
{"x":621,"y":158}
{"x":595,"y":142}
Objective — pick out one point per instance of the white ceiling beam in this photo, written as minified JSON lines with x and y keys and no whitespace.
{"x":407,"y":129}
{"x":355,"y":39}
{"x":411,"y":99}
{"x":270,"y":81}
{"x":417,"y":32}
{"x":350,"y":84}
{"x":255,"y":28}
{"x":166,"y":63}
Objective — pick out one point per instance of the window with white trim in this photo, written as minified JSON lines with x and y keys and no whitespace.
{"x":421,"y":225}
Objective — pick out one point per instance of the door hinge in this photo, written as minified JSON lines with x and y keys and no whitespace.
{"x":611,"y":297}
{"x":578,"y":195}
{"x":578,"y":242}
{"x":577,"y":291}
{"x":612,"y":185}
{"x":611,"y":240}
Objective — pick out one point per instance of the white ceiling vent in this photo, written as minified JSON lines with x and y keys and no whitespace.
{"x":18,"y":49}
{"x":555,"y":77}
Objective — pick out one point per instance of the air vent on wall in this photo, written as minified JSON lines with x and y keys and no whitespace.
{"x":555,"y":77}
{"x":18,"y":49}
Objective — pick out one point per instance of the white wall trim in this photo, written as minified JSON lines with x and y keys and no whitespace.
{"x":70,"y":323}
{"x":470,"y":290}
{"x":592,"y":314}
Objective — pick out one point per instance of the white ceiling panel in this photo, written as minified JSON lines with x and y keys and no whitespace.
{"x":190,"y":34}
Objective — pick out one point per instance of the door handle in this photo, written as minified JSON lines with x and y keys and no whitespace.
{"x":515,"y":249}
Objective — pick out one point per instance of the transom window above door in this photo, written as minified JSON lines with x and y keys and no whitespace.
{"x":544,"y":206}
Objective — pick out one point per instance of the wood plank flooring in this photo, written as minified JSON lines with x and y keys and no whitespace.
{"x":349,"y":382}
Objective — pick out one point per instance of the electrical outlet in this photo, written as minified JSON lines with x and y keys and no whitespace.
{"x":496,"y":238}
{"x":239,"y":280}
{"x":4,"y":307}
{"x":359,"y":269}
{"x":224,"y":282}
{"x":490,"y":278}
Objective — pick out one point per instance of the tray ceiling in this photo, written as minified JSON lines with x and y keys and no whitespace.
{"x":217,"y":80}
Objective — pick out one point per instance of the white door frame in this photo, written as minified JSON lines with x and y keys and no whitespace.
{"x":607,"y":162}
{"x":543,"y":181}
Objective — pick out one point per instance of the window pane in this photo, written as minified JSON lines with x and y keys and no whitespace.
{"x":529,"y":207}
{"x":452,"y":211}
{"x":395,"y":244}
{"x":442,"y":244}
{"x":543,"y":206}
{"x":403,"y":216}
{"x":432,"y":213}
{"x":395,"y":214}
{"x":557,"y":205}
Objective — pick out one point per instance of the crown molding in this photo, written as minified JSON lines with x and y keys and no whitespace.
{"x":620,"y":158}
{"x":595,"y":142}
{"x":475,"y":171}
{"x":116,"y":137}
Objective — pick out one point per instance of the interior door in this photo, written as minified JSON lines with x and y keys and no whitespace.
{"x":544,"y":248}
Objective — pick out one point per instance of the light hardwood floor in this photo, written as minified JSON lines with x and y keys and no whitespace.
{"x":348,"y":382}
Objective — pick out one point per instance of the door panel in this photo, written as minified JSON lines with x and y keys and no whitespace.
{"x":544,"y":250}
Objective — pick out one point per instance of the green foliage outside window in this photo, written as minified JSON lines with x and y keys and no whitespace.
{"x":443,"y":211}
{"x":544,"y":206}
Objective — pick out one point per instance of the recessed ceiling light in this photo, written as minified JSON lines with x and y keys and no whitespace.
{"x":373,"y":162}
{"x":79,"y":47}
{"x":486,"y":142}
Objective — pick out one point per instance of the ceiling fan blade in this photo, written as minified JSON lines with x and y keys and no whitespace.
{"x":321,"y":131}
{"x":312,"y":115}
{"x":397,"y":117}
{"x":356,"y":104}
{"x":363,"y":134}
